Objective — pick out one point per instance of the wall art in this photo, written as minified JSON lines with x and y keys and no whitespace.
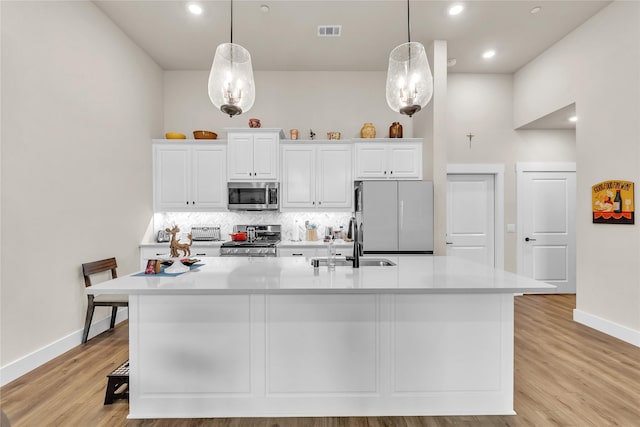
{"x":612,"y":202}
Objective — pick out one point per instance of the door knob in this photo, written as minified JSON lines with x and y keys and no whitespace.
{"x":527,"y":239}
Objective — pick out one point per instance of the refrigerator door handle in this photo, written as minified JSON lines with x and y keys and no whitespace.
{"x":401,"y":215}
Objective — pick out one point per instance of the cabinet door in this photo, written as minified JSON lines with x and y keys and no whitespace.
{"x":334,"y":181}
{"x":298,"y":177}
{"x":265,"y":157}
{"x":371,"y":161}
{"x":171,"y":178}
{"x":405,"y":161}
{"x":209,"y":177}
{"x":240,"y":157}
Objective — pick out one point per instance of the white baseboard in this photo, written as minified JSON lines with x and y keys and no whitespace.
{"x":608,"y":327}
{"x":41,"y":356}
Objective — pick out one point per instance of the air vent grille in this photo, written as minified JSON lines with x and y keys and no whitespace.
{"x":329,"y":30}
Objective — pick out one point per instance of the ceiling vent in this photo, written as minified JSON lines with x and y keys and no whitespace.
{"x":329,"y":30}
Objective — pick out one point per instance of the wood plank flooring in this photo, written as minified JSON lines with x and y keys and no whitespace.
{"x":565,"y":375}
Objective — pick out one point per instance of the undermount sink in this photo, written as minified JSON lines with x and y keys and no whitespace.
{"x":364,"y":262}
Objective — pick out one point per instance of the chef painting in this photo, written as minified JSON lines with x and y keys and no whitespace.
{"x":612,"y":202}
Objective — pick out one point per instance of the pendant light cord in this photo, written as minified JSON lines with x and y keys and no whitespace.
{"x":408,"y":23}
{"x":232,"y":21}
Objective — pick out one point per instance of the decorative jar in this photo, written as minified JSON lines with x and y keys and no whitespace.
{"x":368,"y":131}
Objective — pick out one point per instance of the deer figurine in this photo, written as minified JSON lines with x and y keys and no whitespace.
{"x":176,"y":246}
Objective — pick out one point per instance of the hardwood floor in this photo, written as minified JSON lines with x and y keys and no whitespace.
{"x":565,"y":375}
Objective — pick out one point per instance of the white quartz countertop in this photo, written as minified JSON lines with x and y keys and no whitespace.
{"x":282,"y":275}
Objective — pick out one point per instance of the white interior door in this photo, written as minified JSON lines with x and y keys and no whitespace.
{"x":546,"y":227}
{"x":471,"y":217}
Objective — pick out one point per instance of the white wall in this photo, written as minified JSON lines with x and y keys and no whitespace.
{"x":323,"y":101}
{"x":597,"y":66}
{"x":483,"y":105}
{"x":80,"y":103}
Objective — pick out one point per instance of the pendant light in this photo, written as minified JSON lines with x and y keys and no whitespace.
{"x":409,"y":79}
{"x":231,"y":85}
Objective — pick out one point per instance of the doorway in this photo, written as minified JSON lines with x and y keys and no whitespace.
{"x":475,"y":212}
{"x":546,"y":233}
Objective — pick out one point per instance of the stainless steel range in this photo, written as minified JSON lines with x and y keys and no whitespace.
{"x":264,"y":243}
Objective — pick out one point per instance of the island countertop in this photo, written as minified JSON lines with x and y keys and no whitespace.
{"x":289,"y":275}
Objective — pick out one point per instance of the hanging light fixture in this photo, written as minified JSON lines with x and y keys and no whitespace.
{"x":409,"y":79}
{"x":231,"y":85}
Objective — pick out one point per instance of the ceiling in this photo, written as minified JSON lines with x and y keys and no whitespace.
{"x":285,"y":37}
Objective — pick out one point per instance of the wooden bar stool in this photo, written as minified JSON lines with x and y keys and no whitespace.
{"x":93,"y":301}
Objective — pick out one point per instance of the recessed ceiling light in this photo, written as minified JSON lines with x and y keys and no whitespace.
{"x":535,"y":10}
{"x":195,"y":9}
{"x":264,"y":8}
{"x":573,"y":119}
{"x":456,"y":9}
{"x":489,"y":54}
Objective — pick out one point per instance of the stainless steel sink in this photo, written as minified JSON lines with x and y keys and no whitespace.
{"x":364,"y":262}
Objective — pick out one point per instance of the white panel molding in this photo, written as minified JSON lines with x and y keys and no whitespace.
{"x":49,"y":352}
{"x":608,"y":327}
{"x":497,"y":170}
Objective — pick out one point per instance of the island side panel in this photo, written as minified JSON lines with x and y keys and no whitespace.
{"x":258,"y":355}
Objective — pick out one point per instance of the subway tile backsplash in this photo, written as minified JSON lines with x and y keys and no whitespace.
{"x":226,"y":220}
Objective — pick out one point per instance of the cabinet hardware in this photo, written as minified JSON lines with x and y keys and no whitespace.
{"x":391,"y":173}
{"x":449,"y":243}
{"x":297,"y":254}
{"x":385,"y":172}
{"x":201,"y":254}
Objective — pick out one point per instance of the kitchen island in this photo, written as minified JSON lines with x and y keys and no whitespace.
{"x":271,"y":337}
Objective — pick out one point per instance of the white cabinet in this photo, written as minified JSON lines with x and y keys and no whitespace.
{"x":253,"y":155}
{"x":316,"y":176}
{"x":189,"y":176}
{"x":388,"y":160}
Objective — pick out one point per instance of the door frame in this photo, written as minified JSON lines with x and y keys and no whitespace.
{"x":497,"y":170}
{"x":521,"y":169}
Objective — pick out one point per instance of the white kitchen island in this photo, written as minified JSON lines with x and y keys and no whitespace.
{"x":272,"y":337}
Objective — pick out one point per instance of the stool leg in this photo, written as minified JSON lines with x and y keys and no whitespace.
{"x":111,"y":388}
{"x":87,"y":321}
{"x":114,"y":311}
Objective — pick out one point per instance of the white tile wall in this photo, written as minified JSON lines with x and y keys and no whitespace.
{"x":226,"y":221}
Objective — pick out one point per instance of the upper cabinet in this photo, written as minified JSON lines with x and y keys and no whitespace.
{"x":189,"y":176}
{"x":253,"y":154}
{"x":388,"y":159}
{"x":316,"y":176}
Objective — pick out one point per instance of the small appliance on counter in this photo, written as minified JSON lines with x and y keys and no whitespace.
{"x":163,"y":236}
{"x":205,"y":233}
{"x":260,"y":240}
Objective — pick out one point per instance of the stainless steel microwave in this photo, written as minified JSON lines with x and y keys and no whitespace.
{"x":253,"y":196}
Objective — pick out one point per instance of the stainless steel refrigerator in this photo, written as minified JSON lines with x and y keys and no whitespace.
{"x":395,"y":216}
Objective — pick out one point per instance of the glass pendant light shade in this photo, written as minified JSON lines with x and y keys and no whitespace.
{"x":231,"y":85}
{"x":409,"y":79}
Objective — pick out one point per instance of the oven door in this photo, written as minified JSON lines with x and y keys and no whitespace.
{"x":254,"y":196}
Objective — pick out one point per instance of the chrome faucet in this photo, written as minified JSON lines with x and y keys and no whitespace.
{"x":357,"y":245}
